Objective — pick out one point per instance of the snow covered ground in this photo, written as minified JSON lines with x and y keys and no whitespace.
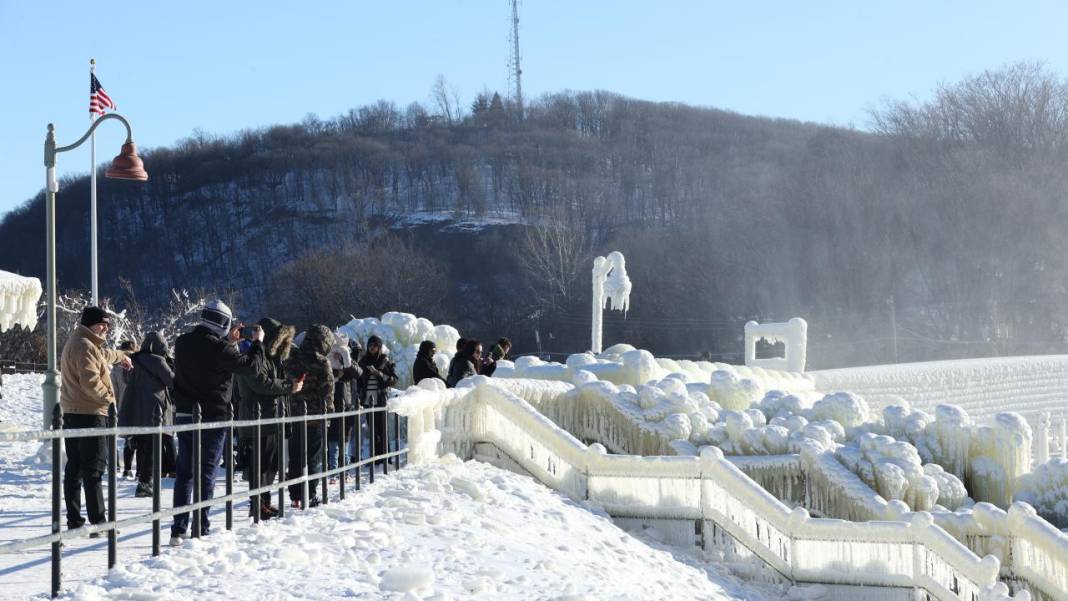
{"x":448,"y":530}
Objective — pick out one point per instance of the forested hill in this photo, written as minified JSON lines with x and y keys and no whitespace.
{"x":490,"y":222}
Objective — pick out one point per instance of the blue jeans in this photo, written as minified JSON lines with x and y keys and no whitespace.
{"x":212,"y":443}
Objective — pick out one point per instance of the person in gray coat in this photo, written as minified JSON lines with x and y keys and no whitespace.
{"x":147,"y":402}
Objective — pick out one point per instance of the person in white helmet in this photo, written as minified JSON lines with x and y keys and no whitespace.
{"x":205,"y":361}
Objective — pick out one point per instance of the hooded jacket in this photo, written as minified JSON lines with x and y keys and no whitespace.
{"x":147,"y":398}
{"x":259,"y":393}
{"x":424,"y":366}
{"x":204,"y":366}
{"x":310,"y":359}
{"x":86,"y":372}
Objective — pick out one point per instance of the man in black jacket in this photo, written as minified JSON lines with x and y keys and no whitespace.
{"x":205,"y":361}
{"x":310,"y":364}
{"x":265,"y":394}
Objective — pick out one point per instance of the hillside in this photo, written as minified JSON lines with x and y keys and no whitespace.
{"x":722,"y":217}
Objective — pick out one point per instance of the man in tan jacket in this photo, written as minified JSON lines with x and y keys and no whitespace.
{"x":85,"y":397}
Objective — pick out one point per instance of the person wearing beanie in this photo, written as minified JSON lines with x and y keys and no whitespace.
{"x":85,"y":396}
{"x":379,"y":374}
{"x":205,"y":361}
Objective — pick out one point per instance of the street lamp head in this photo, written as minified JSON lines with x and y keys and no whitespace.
{"x":127,"y":165}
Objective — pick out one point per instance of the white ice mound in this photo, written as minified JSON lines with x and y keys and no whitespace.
{"x":18,"y":301}
{"x":406,"y":579}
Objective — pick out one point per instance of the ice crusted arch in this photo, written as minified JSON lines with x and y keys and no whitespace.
{"x":18,"y":301}
{"x":610,"y":283}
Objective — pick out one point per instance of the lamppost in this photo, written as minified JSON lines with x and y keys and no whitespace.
{"x":125,"y":166}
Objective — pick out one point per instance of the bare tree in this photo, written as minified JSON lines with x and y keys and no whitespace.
{"x":553,"y":256}
{"x":447,"y":100}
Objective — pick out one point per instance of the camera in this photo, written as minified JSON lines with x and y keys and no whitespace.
{"x":248,"y":332}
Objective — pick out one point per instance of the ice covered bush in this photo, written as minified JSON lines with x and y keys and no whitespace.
{"x":401,"y":334}
{"x":1046,"y":489}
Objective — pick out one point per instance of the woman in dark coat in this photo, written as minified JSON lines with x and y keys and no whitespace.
{"x":424,"y":366}
{"x":464,"y":363}
{"x":147,"y":402}
{"x":378,"y":374}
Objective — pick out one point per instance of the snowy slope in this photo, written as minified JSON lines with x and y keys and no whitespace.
{"x":448,"y":530}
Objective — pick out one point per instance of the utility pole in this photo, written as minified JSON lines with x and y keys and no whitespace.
{"x":516,"y":72}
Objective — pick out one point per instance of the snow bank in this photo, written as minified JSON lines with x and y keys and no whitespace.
{"x":18,"y":301}
{"x":441,"y":531}
{"x":401,"y":334}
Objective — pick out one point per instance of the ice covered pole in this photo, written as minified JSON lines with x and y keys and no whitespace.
{"x":610,"y":283}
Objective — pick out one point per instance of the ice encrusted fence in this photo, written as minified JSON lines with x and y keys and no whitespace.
{"x":707,"y":496}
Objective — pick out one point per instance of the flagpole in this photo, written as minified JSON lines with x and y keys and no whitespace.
{"x":92,"y":198}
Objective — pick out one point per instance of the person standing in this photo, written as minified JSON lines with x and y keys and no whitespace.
{"x":147,"y":403}
{"x":344,"y":374}
{"x":259,"y":396}
{"x":465,"y":363}
{"x":498,"y":352}
{"x":85,"y":396}
{"x":379,"y":374}
{"x":205,"y":361}
{"x":310,"y":364}
{"x":119,"y":377}
{"x":424,"y":366}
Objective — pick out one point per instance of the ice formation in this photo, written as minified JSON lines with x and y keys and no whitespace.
{"x":401,"y":334}
{"x":18,"y":301}
{"x":1046,"y":489}
{"x":794,"y":336}
{"x":611,"y":288}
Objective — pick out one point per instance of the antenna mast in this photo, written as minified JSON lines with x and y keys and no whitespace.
{"x":516,"y":72}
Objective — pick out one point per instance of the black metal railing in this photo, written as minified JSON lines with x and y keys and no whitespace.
{"x":296,"y":424}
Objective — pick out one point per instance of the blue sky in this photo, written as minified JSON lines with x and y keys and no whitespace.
{"x":227,"y":65}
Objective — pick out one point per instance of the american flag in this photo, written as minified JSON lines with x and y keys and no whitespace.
{"x":99,"y":101}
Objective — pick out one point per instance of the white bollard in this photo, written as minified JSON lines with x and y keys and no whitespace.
{"x":1042,"y":438}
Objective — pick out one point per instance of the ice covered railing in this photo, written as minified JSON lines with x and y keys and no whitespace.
{"x":725,"y":510}
{"x":401,"y":334}
{"x":624,"y":364}
{"x":18,"y":301}
{"x":1029,"y":386}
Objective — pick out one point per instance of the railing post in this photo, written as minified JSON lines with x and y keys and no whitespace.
{"x":357,"y":433}
{"x":323,"y":448}
{"x":371,"y":436}
{"x":228,"y":449}
{"x":282,"y":454}
{"x":381,"y":411}
{"x":304,"y":456}
{"x":57,"y":459}
{"x":157,"y":475}
{"x":196,"y":470}
{"x":396,"y":439}
{"x":254,"y":481}
{"x":113,"y":456}
{"x":342,"y":455}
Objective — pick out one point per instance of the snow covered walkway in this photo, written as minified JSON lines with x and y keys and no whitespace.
{"x":448,"y":530}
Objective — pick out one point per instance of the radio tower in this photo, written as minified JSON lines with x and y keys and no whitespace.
{"x":515,"y":72}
